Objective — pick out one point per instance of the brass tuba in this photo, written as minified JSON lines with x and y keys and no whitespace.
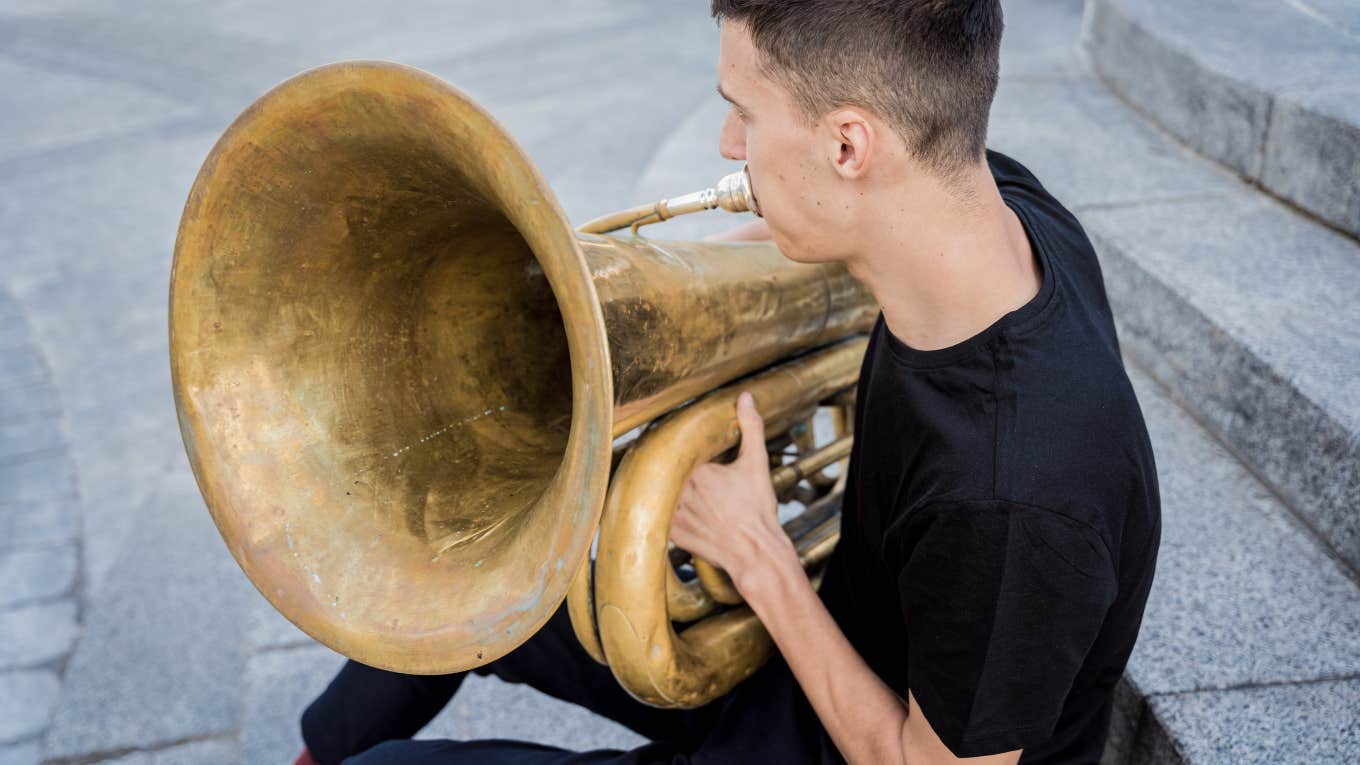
{"x":400,"y":374}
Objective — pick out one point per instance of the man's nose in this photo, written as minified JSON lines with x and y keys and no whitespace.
{"x":732,"y":139}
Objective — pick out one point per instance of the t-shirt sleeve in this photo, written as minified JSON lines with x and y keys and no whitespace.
{"x":1002,"y":603}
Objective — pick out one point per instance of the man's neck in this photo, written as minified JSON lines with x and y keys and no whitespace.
{"x":944,"y":267}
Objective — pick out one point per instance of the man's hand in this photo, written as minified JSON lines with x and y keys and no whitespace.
{"x":727,"y":513}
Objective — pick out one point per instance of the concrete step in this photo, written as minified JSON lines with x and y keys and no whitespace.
{"x":1268,"y":88}
{"x":1243,"y":308}
{"x":1249,"y":314}
{"x":1250,"y":645}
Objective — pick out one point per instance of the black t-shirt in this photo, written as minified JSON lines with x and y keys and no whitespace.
{"x":1001,"y":519}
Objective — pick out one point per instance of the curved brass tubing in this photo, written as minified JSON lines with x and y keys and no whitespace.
{"x":648,"y":658}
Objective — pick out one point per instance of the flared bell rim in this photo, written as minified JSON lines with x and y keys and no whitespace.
{"x":573,"y":500}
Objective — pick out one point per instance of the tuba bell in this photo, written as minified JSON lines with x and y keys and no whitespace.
{"x":400,"y":373}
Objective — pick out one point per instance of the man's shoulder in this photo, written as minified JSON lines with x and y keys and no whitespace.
{"x":1006,"y":169}
{"x":1022,"y":189}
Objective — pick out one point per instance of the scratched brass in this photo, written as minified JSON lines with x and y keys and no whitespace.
{"x":399,"y":371}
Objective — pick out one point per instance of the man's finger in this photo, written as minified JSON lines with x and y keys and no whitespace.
{"x":752,"y":432}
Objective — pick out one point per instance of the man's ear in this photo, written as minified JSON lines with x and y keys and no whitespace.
{"x":851,"y":142}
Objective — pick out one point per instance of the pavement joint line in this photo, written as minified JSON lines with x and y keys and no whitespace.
{"x":68,"y":594}
{"x":54,"y":665}
{"x":1292,"y":512}
{"x":74,"y":592}
{"x":1127,"y":204}
{"x":1320,"y":17}
{"x":1263,"y":684}
{"x":17,"y":742}
{"x":90,"y":758}
{"x":47,"y":600}
{"x":1259,"y":169}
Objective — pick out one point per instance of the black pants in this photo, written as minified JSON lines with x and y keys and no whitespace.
{"x":367,"y":716}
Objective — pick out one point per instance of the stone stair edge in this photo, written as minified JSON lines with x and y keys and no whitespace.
{"x":1305,"y":452}
{"x":1243,"y":600}
{"x":1271,"y":724}
{"x":1300,"y":144}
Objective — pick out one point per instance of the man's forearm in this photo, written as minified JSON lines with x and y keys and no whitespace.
{"x":862,"y":714}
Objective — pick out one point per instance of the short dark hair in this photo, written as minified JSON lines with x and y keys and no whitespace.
{"x":927,"y":67}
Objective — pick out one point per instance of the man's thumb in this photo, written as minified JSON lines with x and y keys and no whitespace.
{"x":752,"y":430}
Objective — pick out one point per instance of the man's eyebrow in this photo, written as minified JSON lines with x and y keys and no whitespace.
{"x":728,"y":98}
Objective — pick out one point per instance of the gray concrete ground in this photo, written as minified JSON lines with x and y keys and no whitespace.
{"x":127,"y":633}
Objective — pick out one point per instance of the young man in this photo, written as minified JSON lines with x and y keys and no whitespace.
{"x":1001,"y":518}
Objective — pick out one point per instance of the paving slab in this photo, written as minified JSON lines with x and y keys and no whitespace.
{"x":37,"y":493}
{"x":1303,"y":723}
{"x":39,"y":524}
{"x":21,"y":368}
{"x":26,"y":701}
{"x":36,"y":574}
{"x":37,"y":633}
{"x":44,"y":478}
{"x":98,"y":312}
{"x":1215,"y":74}
{"x":29,"y":431}
{"x":167,"y":631}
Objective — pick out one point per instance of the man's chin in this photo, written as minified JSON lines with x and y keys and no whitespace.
{"x":800,"y":254}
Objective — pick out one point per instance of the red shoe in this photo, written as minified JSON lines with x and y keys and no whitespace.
{"x":305,"y":758}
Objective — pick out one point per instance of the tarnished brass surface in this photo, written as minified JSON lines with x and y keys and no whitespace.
{"x":398,"y":370}
{"x":631,"y":569}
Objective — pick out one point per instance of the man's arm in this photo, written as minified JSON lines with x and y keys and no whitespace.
{"x":868,"y":722}
{"x":727,"y":516}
